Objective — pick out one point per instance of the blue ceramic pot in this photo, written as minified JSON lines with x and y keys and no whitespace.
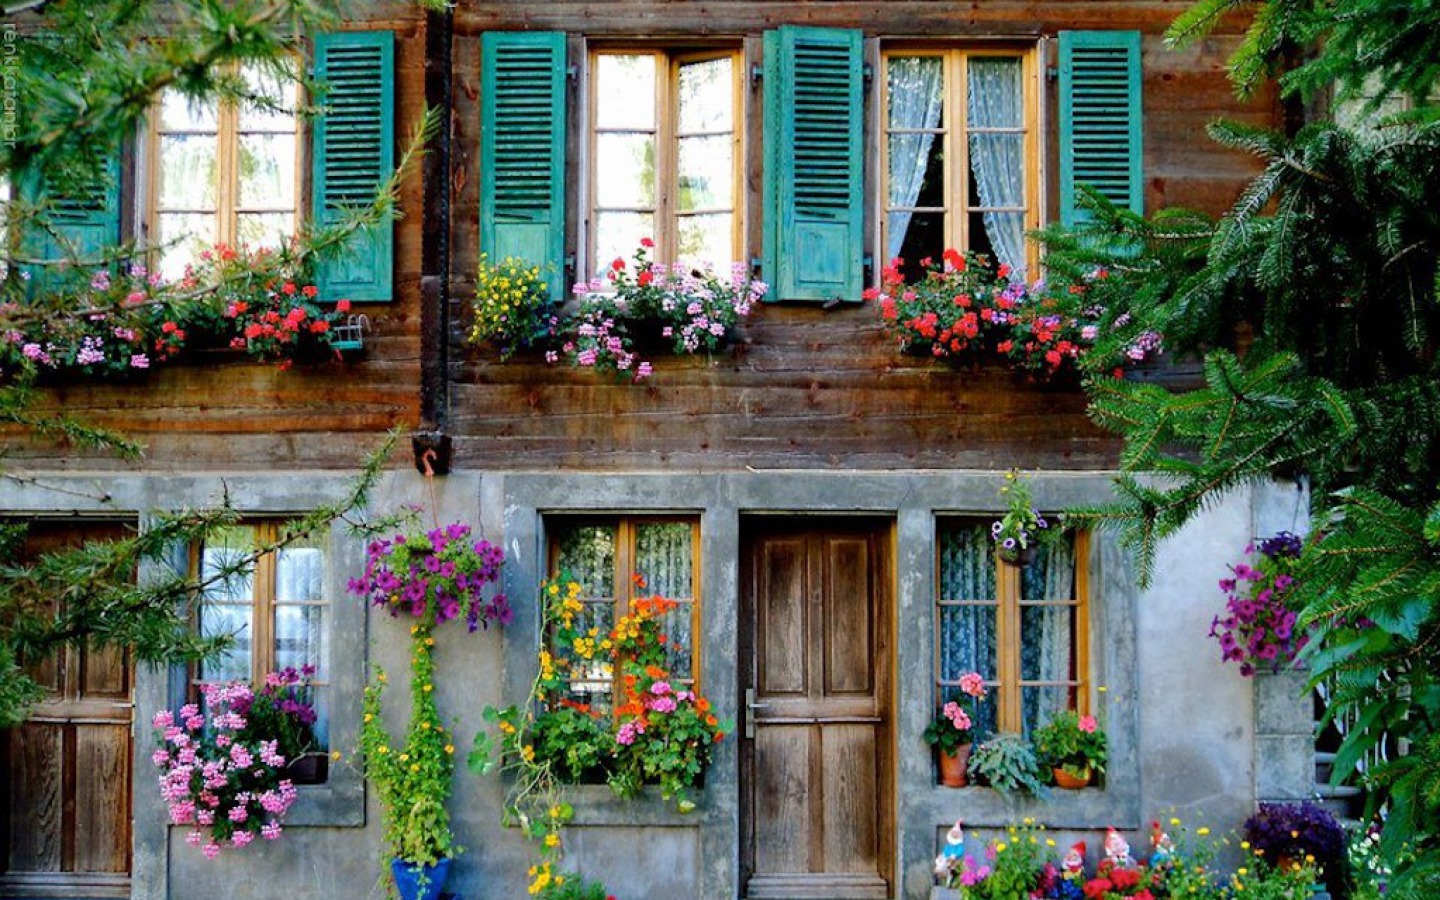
{"x":419,"y":882}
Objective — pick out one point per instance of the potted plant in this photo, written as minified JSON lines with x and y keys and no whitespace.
{"x":217,"y":779}
{"x":513,"y":309}
{"x":283,"y":710}
{"x":1007,"y":763}
{"x":1293,"y":836}
{"x":1259,"y":628}
{"x":1073,"y":747}
{"x":434,"y":577}
{"x":652,"y":305}
{"x":951,"y":732}
{"x":1022,"y":528}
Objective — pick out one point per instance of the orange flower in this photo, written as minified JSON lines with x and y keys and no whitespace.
{"x":655,"y":672}
{"x":702,"y":704}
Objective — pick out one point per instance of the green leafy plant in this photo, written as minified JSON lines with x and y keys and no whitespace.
{"x":1073,"y":743}
{"x":513,"y":309}
{"x":954,"y":725}
{"x":1022,"y":528}
{"x":1007,"y":763}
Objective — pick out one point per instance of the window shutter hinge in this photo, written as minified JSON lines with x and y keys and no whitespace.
{"x":867,"y":263}
{"x":572,"y":72}
{"x":757,"y":73}
{"x":867,"y":71}
{"x":757,"y":266}
{"x":1052,"y":73}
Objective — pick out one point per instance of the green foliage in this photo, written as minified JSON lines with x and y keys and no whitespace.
{"x":1006,"y":762}
{"x":1015,"y":870}
{"x":1072,"y":742}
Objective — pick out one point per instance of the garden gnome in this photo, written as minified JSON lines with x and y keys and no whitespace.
{"x":1117,"y":851}
{"x":954,"y":849}
{"x":1162,"y":849}
{"x":1073,"y":865}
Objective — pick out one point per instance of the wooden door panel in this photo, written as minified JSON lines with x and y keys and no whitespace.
{"x":105,"y":674}
{"x":36,"y":754}
{"x":817,"y":793}
{"x":845,"y":628}
{"x":102,"y":800}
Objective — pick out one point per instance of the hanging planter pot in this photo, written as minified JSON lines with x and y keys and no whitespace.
{"x":1019,"y":557}
{"x":419,"y":882}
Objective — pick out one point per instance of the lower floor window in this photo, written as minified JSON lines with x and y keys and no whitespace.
{"x":1024,"y":629}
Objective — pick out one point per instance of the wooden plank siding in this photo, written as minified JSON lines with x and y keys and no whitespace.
{"x":804,"y":387}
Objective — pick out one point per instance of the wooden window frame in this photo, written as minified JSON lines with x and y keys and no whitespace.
{"x":623,"y":584}
{"x":263,"y":605}
{"x":1006,"y":685}
{"x":955,"y":116}
{"x":227,"y":164}
{"x":667,"y":148}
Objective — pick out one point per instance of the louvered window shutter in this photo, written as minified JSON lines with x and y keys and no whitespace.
{"x":83,"y":224}
{"x":814,"y":166}
{"x":522,"y":150}
{"x":354,"y":152}
{"x":1100,"y":119}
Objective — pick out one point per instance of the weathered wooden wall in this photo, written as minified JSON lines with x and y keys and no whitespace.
{"x":806,"y":388}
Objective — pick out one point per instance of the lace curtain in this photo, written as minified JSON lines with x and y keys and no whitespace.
{"x":1047,"y":631}
{"x":916,"y":96}
{"x":997,"y":100}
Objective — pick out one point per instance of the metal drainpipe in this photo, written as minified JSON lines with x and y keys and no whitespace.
{"x":431,"y":443}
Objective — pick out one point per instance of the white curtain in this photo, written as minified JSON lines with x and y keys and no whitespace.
{"x":1047,"y":650}
{"x":996,"y":100}
{"x":916,"y":95}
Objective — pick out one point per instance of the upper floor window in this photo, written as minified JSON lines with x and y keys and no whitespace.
{"x":1025,"y":629}
{"x":616,"y":561}
{"x":275,"y":610}
{"x":225,"y":173}
{"x":665,"y":156}
{"x":959,"y":165}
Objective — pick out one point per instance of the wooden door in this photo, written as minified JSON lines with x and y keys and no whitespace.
{"x":66,"y":794}
{"x":818,"y":811}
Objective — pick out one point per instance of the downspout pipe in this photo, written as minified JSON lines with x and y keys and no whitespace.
{"x":431,"y":442}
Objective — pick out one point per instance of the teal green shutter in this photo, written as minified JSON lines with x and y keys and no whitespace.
{"x":522,"y":150}
{"x":84,"y":224}
{"x":1100,"y":119}
{"x":814,"y":165}
{"x":354,"y":153}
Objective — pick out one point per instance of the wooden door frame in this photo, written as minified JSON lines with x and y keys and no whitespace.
{"x":882,"y":531}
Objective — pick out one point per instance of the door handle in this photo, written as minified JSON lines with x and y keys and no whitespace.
{"x":750,"y":707}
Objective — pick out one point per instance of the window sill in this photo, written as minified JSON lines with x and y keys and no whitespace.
{"x":338,"y":803}
{"x":1087,"y":808}
{"x":596,"y":804}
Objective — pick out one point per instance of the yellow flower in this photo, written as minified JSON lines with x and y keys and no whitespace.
{"x":554,"y":812}
{"x":1244,"y":845}
{"x":404,"y":757}
{"x":335,"y":754}
{"x":1174,"y":823}
{"x":369,"y":716}
{"x":429,"y":688}
{"x":528,"y":752}
{"x":382,"y":749}
{"x":1242,"y":871}
{"x":999,"y":848}
{"x":1049,"y":842}
{"x":414,"y":628}
{"x":429,"y":642}
{"x":552,"y":840}
{"x":449,"y":748}
{"x":414,"y":767}
{"x":507,"y":728}
{"x":1202,"y":831}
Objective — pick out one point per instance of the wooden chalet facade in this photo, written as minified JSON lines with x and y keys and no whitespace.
{"x":819,"y":490}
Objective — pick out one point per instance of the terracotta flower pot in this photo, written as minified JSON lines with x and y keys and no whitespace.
{"x":953,"y":766}
{"x":1064,"y":779}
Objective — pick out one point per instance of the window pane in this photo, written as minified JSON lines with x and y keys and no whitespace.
{"x":967,"y":642}
{"x":914,"y":237}
{"x":267,"y":171}
{"x":1051,"y":577}
{"x":178,"y":114}
{"x":625,"y":91}
{"x":707,"y":96}
{"x":232,"y":664}
{"x":1040,"y":704}
{"x":679,"y":641}
{"x":1047,"y":643}
{"x":183,"y":236}
{"x":188,"y":171}
{"x":256,"y":230}
{"x":664,"y":554}
{"x":227,"y":549}
{"x":624,"y":170}
{"x":917,"y":170}
{"x":707,"y":240}
{"x":618,"y":234}
{"x":301,"y":638}
{"x":299,"y":575}
{"x":997,"y":163}
{"x":278,"y":91}
{"x":967,"y":565}
{"x":587,"y":553}
{"x":996,"y":95}
{"x":706,"y":170}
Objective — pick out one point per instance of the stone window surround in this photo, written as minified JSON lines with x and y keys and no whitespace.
{"x":340,"y":802}
{"x":915,"y":500}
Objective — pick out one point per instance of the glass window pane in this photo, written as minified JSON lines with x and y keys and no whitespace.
{"x":1047,"y":643}
{"x":299,"y":574}
{"x":707,"y":240}
{"x":680,"y":641}
{"x":996,"y":95}
{"x":1040,"y":704}
{"x":320,"y":701}
{"x":917,"y":170}
{"x":914,"y":238}
{"x":177,"y":113}
{"x":255,"y":230}
{"x":624,"y":170}
{"x":226,"y":549}
{"x":182,"y":237}
{"x":267,"y":171}
{"x":1051,"y":577}
{"x":625,"y":90}
{"x":967,"y":642}
{"x":707,"y":96}
{"x":664,"y":554}
{"x":915,"y":89}
{"x":279,"y":93}
{"x":301,"y":638}
{"x":188,"y":171}
{"x":232,"y":664}
{"x":706,"y":173}
{"x":967,"y":564}
{"x":587,"y":553}
{"x":618,"y":234}
{"x":997,"y":164}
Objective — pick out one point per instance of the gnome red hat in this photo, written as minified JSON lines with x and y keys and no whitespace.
{"x":1074,"y":861}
